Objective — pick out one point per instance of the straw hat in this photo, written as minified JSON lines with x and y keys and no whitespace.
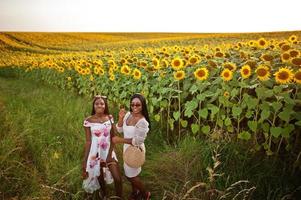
{"x":134,"y":156}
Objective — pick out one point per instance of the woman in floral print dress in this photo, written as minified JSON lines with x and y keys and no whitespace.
{"x":99,"y":152}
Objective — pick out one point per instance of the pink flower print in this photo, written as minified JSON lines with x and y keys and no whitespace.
{"x":97,"y":133}
{"x":105,"y":132}
{"x":103,"y":143}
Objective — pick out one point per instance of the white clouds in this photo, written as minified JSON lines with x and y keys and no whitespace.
{"x":149,"y":16}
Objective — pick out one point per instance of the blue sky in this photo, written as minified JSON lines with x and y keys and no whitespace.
{"x":150,"y":16}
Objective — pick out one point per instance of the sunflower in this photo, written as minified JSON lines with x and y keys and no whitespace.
{"x":201,"y":73}
{"x":285,"y":47}
{"x":179,"y":75}
{"x":91,"y":78}
{"x":193,"y":60}
{"x":125,"y":70}
{"x":137,"y":74}
{"x":226,"y":94}
{"x":262,"y":43}
{"x":101,"y":71}
{"x":245,"y":71}
{"x":262,"y":72}
{"x":219,"y":54}
{"x":227,"y":74}
{"x":230,"y":66}
{"x":285,"y":57}
{"x":293,"y":38}
{"x":252,"y":43}
{"x":69,"y":78}
{"x":156,"y":63}
{"x":294,"y":53}
{"x":284,"y":75}
{"x":177,"y":63}
{"x":96,"y":70}
{"x":296,"y":61}
{"x":266,"y":57}
{"x":297,"y":76}
{"x":164,"y":63}
{"x":112,"y":77}
{"x":123,"y":61}
{"x":88,"y":71}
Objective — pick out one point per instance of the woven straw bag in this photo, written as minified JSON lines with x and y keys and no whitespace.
{"x":134,"y":156}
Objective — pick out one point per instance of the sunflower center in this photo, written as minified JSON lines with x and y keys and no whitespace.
{"x":177,"y":63}
{"x":201,"y":73}
{"x":262,"y":43}
{"x":298,"y":76}
{"x":245,"y":71}
{"x":283,"y":75}
{"x":226,"y":74}
{"x":179,"y":75}
{"x":261,"y":72}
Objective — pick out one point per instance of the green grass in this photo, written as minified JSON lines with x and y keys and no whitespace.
{"x":38,"y":121}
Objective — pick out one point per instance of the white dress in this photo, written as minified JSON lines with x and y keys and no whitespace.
{"x":138,"y":134}
{"x":100,"y":145}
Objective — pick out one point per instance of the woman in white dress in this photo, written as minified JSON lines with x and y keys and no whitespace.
{"x":100,"y":161}
{"x":135,"y":126}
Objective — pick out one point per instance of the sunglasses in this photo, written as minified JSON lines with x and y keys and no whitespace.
{"x":135,"y":104}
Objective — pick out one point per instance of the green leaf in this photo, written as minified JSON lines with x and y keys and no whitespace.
{"x":276,"y":106}
{"x":236,"y":111}
{"x":286,"y":113}
{"x":266,"y":127}
{"x":200,"y":97}
{"x":189,"y":107}
{"x":244,"y":135}
{"x":203,"y":113}
{"x":298,"y":123}
{"x":164,"y":103}
{"x":195,"y":128}
{"x":157,"y":117}
{"x":287,"y":130}
{"x":249,"y":114}
{"x":234,"y":92}
{"x":276,"y":131}
{"x":288,"y":99}
{"x":277,"y":89}
{"x":252,"y":102}
{"x":184,"y":123}
{"x":176,"y":115}
{"x":205,"y":129}
{"x":227,"y":121}
{"x":214,"y":109}
{"x":230,"y":129}
{"x":260,"y":92}
{"x":264,"y":115}
{"x":252,"y":125}
{"x":171,"y":124}
{"x":193,"y":89}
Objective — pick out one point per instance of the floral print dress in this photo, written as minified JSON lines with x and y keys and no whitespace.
{"x":100,"y":145}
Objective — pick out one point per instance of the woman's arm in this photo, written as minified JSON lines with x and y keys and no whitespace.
{"x":86,"y":148}
{"x":112,"y":135}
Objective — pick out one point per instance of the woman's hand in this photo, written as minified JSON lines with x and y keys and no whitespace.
{"x":85,"y":174}
{"x":122,"y":113}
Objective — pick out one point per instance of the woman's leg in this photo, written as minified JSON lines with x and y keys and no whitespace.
{"x":135,"y":192}
{"x":115,"y":171}
{"x":102,"y":183}
{"x":138,"y":185}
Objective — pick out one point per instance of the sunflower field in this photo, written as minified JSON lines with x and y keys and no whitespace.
{"x":241,"y":88}
{"x":204,"y":85}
